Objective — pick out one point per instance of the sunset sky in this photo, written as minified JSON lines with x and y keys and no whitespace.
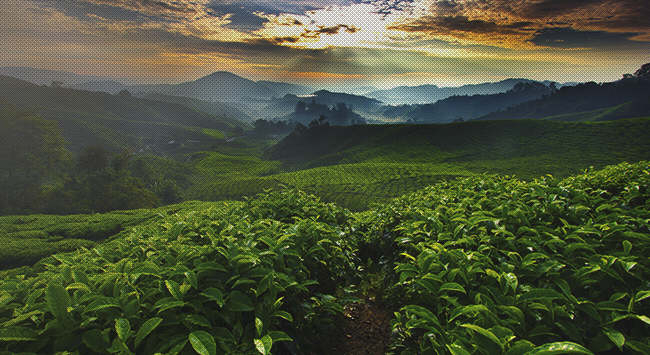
{"x":383,"y":43}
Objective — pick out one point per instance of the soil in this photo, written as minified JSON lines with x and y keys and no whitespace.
{"x":365,"y":331}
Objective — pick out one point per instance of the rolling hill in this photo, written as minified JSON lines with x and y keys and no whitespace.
{"x":580,"y":98}
{"x":114,"y":121}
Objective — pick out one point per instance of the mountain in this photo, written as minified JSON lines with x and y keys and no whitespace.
{"x":282,"y":89}
{"x":114,"y":121}
{"x":431,"y":93}
{"x":458,"y":108}
{"x":219,"y":86}
{"x":637,"y":108}
{"x":229,"y":114}
{"x":580,"y":98}
{"x":45,"y":77}
{"x":108,"y":86}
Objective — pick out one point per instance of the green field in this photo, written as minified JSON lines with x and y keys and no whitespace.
{"x":480,"y":265}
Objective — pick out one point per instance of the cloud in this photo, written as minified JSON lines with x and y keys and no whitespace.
{"x":328,"y":30}
{"x":570,"y":38}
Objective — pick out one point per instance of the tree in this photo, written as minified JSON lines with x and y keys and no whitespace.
{"x":32,"y":156}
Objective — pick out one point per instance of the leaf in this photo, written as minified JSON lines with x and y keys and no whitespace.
{"x":239,"y":302}
{"x":627,"y":247}
{"x":452,"y":286}
{"x":203,"y":343}
{"x":259,"y":326}
{"x":198,"y":320}
{"x":93,"y":339}
{"x":538,"y":294}
{"x":78,"y":286}
{"x":146,"y":328}
{"x":520,"y":348}
{"x":638,"y":346}
{"x":191,"y":278}
{"x":18,"y":333}
{"x":58,"y":299}
{"x":564,"y":347}
{"x":123,"y":328}
{"x":467,"y":309}
{"x":283,"y":314}
{"x":457,"y":350}
{"x":174,"y":289}
{"x":570,"y":330}
{"x":641,"y":295}
{"x":213,"y":294}
{"x":101,"y":303}
{"x":486,"y":333}
{"x":264,"y":345}
{"x":616,"y":337}
{"x":279,"y":336}
{"x":611,"y":306}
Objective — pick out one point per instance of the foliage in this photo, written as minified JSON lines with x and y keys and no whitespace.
{"x":217,"y":279}
{"x":490,"y":265}
{"x":32,"y":153}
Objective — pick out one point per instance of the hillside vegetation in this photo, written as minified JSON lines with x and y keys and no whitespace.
{"x":114,"y":121}
{"x":482,"y":265}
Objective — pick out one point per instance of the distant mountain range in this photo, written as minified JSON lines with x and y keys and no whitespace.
{"x":460,"y":108}
{"x":68,"y":79}
{"x":585,"y":97}
{"x":424,"y":94}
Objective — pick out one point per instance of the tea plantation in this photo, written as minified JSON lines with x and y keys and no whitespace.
{"x":478,"y":265}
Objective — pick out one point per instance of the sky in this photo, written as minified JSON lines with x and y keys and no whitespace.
{"x":330,"y":43}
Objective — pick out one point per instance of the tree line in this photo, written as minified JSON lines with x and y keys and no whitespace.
{"x":39,"y":175}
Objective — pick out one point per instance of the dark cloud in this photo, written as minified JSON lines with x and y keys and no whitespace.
{"x":329,"y":31}
{"x":441,"y":25}
{"x":242,"y":17}
{"x":570,"y":38}
{"x":551,"y":8}
{"x":161,"y":8}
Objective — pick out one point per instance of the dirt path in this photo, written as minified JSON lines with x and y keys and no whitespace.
{"x":366,"y":330}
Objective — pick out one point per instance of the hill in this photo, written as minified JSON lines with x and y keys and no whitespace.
{"x":45,"y":77}
{"x":580,"y":98}
{"x":114,"y":121}
{"x":468,"y":107}
{"x":227,"y":113}
{"x":424,"y":94}
{"x":527,"y":148}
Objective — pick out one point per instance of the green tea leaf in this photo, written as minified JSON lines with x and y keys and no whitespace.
{"x":283,"y":314}
{"x":521,"y":347}
{"x":94,"y":340}
{"x":203,"y":343}
{"x":488,"y":334}
{"x":123,"y":328}
{"x":539,"y":294}
{"x":264,"y":345}
{"x":452,"y":286}
{"x":101,"y":303}
{"x":279,"y":336}
{"x":213,"y":294}
{"x":58,"y":299}
{"x":174,"y":289}
{"x":198,"y":320}
{"x":467,"y":309}
{"x":616,"y":337}
{"x":259,"y":327}
{"x":559,"y":348}
{"x":146,"y":328}
{"x":239,"y":302}
{"x":191,"y":278}
{"x":18,"y":333}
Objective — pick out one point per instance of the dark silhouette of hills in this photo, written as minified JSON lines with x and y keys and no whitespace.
{"x":459,"y":108}
{"x":580,"y":98}
{"x":281,"y":89}
{"x":431,"y":93}
{"x":45,"y":77}
{"x":278,"y":108}
{"x":339,"y":114}
{"x":114,"y":121}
